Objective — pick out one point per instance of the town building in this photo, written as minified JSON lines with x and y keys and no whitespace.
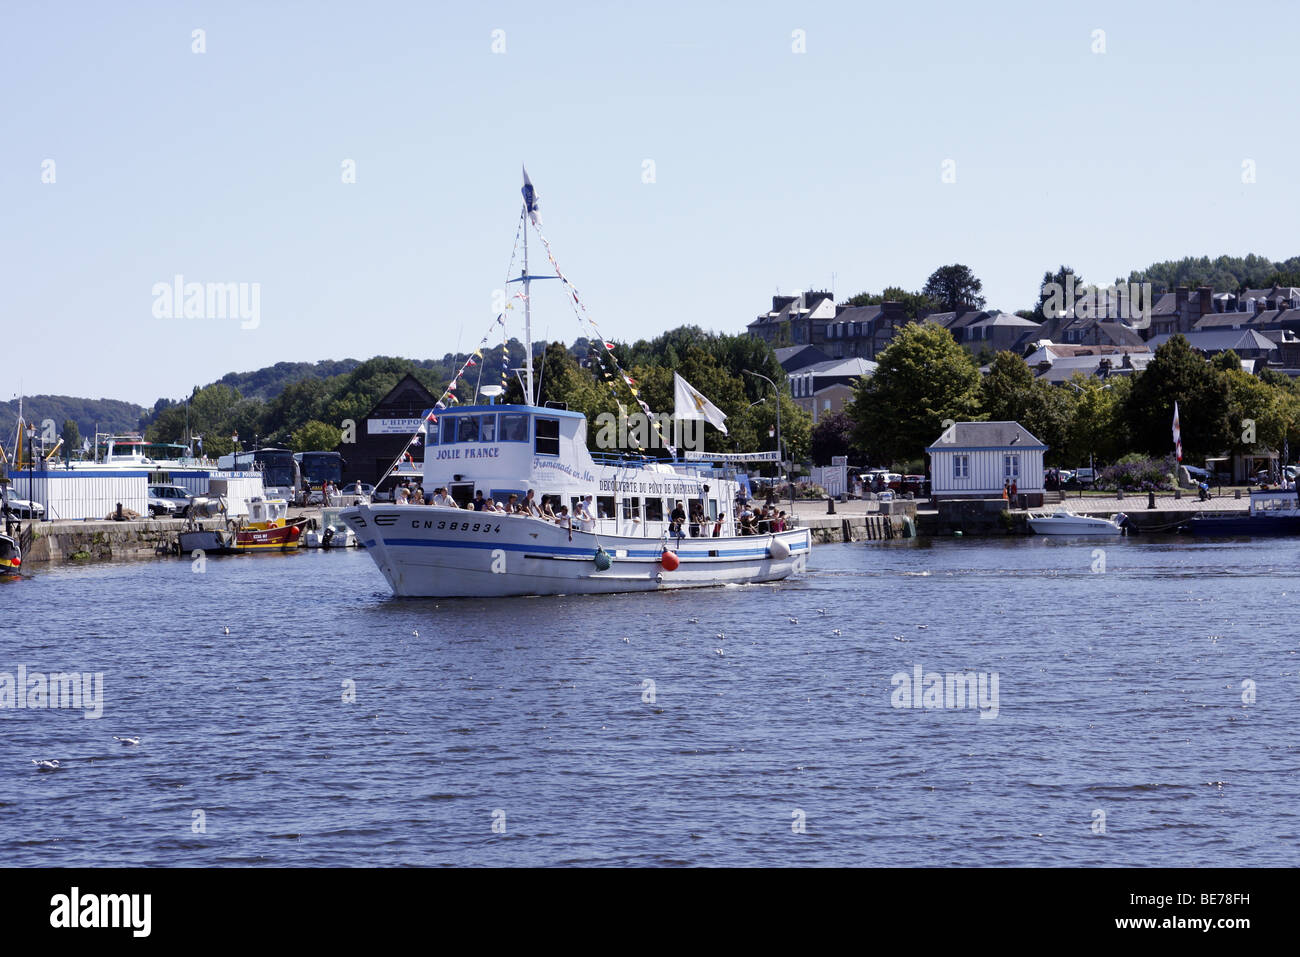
{"x":386,"y":432}
{"x":974,"y":460}
{"x":825,"y":388}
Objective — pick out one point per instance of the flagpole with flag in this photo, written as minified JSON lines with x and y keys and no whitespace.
{"x":1178,"y":435}
{"x":690,"y":403}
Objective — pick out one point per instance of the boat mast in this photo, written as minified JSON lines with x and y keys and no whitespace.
{"x":528,"y":320}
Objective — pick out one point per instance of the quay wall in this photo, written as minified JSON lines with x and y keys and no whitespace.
{"x":44,"y":542}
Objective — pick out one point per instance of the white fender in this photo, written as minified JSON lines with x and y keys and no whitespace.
{"x":778,"y":550}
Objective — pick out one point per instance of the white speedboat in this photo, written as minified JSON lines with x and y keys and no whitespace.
{"x":1067,"y":523}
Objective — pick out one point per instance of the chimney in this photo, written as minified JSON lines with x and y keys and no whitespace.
{"x":1204,"y":293}
{"x":780,"y":302}
{"x":1180,"y":298}
{"x":892,"y":313}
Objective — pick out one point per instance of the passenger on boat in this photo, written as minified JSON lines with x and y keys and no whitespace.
{"x":697,"y":517}
{"x":676,"y":519}
{"x":441,"y":500}
{"x":530,"y":506}
{"x":586,"y":519}
{"x":479,"y":502}
{"x":512,"y":505}
{"x":746,"y":520}
{"x":403,"y":495}
{"x":547,"y":512}
{"x":564,"y":520}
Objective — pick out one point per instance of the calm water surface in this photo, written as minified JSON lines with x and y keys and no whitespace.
{"x":1120,"y":692}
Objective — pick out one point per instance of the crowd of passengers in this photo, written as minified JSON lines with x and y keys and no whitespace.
{"x":763,"y":520}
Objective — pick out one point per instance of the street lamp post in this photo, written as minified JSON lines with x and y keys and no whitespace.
{"x":778,"y":432}
{"x":31,"y":477}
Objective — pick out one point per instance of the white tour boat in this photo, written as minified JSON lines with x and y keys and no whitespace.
{"x":630,"y":543}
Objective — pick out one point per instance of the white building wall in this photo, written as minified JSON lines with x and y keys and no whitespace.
{"x":986,"y":471}
{"x":70,"y":494}
{"x":238,"y":488}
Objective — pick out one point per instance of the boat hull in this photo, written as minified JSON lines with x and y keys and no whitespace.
{"x":1272,"y":525}
{"x":1048,"y":526}
{"x":11,"y":556}
{"x":440,"y":553}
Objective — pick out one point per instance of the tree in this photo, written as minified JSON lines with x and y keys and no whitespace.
{"x":1056,"y":287}
{"x":915,"y":304}
{"x":832,"y":436}
{"x":316,"y":436}
{"x":1201,"y":391}
{"x":1011,"y":393}
{"x":923,"y":377}
{"x":71,"y":437}
{"x":954,"y":288}
{"x":1095,"y":429}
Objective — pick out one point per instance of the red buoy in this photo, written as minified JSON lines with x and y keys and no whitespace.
{"x":668,"y":560}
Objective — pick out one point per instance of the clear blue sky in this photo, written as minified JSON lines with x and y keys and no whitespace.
{"x":773,"y":169}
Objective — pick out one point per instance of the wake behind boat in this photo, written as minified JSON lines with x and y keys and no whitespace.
{"x":615,"y":523}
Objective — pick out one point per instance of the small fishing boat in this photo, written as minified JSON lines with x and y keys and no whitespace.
{"x":267,"y":529}
{"x":1272,"y":512}
{"x":1066,"y":523}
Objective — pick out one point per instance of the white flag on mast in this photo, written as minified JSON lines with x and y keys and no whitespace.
{"x":1178,"y":434}
{"x":690,"y":403}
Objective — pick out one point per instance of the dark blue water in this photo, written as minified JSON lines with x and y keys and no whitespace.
{"x":1120,"y":691}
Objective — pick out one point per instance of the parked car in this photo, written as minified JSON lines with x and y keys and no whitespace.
{"x":22,"y":508}
{"x":1199,"y":475}
{"x":356,"y":493}
{"x":916,"y":485}
{"x":1083,"y":477}
{"x":169,"y":500}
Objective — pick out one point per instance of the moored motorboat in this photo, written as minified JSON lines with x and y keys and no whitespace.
{"x":1064,"y":522}
{"x":1271,"y":512}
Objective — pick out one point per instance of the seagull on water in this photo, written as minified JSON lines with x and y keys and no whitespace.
{"x":226,"y":632}
{"x":46,"y":765}
{"x":126,"y":740}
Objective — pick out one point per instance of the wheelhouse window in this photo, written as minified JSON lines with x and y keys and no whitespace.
{"x":467,"y":428}
{"x":547,"y":441}
{"x":604,"y":506}
{"x":961,"y":466}
{"x":514,"y":427}
{"x":487,"y":428}
{"x":631,"y":509}
{"x":431,"y":431}
{"x":654,"y":510}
